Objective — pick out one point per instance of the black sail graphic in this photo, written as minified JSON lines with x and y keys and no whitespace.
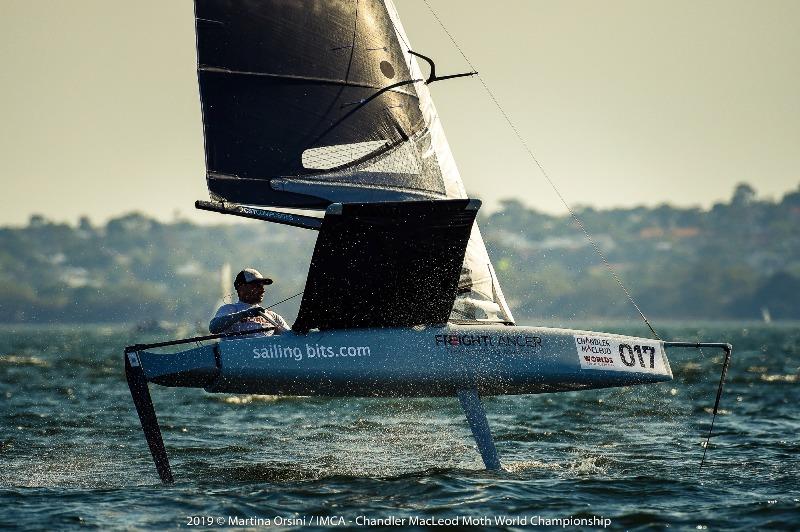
{"x":310,"y":102}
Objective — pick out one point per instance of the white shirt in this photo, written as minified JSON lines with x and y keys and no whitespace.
{"x":252,"y":323}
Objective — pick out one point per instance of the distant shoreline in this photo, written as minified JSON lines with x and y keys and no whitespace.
{"x":739,"y":260}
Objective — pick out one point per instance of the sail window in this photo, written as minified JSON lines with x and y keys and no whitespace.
{"x":327,"y":157}
{"x":400,"y":160}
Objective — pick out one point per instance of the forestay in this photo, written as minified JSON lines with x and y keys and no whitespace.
{"x":310,"y":103}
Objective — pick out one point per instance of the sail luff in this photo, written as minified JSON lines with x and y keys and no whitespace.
{"x":454,"y":186}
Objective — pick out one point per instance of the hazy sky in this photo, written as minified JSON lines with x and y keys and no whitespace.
{"x":623,"y":102}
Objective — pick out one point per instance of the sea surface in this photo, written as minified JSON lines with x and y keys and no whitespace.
{"x":72,"y":453}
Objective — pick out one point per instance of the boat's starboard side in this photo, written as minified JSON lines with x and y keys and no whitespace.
{"x":419,"y":361}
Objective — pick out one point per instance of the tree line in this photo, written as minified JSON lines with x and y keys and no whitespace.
{"x":738,"y":260}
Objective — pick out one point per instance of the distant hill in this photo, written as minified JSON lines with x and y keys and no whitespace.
{"x":731,"y":261}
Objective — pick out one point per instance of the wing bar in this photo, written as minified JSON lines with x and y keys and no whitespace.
{"x":728,"y":349}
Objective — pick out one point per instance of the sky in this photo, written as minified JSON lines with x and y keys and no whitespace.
{"x":624,"y":103}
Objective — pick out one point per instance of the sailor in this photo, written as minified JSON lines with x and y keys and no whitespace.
{"x":247,"y":314}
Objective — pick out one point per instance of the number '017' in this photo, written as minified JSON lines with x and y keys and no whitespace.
{"x":629,"y":355}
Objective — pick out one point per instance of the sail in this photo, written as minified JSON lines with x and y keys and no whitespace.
{"x":479,"y":294}
{"x":307,"y":103}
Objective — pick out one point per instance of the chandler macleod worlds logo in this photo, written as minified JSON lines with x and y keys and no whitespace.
{"x":619,"y":354}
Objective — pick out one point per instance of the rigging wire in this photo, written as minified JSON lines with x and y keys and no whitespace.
{"x":282,"y":301}
{"x":269,"y":307}
{"x":525,"y":145}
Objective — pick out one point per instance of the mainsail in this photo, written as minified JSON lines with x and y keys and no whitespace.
{"x":308,"y":103}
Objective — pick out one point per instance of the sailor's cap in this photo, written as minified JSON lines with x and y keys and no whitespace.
{"x":250,"y":275}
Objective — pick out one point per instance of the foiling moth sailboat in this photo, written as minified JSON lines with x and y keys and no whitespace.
{"x":323,"y":106}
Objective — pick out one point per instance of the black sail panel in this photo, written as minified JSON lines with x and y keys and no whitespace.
{"x":398,"y":239}
{"x":306,"y":89}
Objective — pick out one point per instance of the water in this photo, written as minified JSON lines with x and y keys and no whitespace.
{"x":73,"y":454}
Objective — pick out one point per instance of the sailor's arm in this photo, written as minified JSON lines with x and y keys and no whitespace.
{"x":276,"y":321}
{"x":219,"y":324}
{"x":280,"y":324}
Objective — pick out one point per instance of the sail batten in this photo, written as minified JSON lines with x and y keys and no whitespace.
{"x":311,"y":79}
